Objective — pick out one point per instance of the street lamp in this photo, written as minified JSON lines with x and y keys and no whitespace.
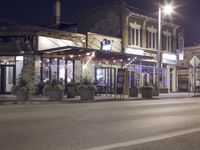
{"x":167,"y":9}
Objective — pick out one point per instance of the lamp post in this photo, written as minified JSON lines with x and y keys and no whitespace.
{"x":168,"y":9}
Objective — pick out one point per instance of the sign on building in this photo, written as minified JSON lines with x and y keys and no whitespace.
{"x":194,"y":61}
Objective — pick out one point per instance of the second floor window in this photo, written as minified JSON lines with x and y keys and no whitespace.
{"x":151,"y":39}
{"x":134,"y":36}
{"x":167,"y":41}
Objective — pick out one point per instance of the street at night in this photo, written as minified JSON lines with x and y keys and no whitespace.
{"x":141,"y":125}
{"x":100,"y":75}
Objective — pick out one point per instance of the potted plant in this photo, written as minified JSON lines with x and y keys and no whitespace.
{"x":86,"y":89}
{"x":71,"y":90}
{"x":156,"y":90}
{"x":39,"y":87}
{"x":21,"y":90}
{"x":53,"y":90}
{"x":147,"y":92}
{"x":133,"y":92}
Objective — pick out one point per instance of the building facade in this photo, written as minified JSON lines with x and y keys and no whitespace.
{"x":109,"y":37}
{"x":139,"y":33}
{"x":188,"y":72}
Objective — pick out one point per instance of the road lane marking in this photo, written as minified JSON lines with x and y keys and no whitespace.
{"x":147,"y":139}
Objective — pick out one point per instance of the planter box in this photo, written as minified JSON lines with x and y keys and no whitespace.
{"x":147,"y":92}
{"x":71,"y":92}
{"x":86,"y":94}
{"x":163,"y":90}
{"x":21,"y":95}
{"x":55,"y":95}
{"x":133,"y":92}
{"x":156,"y":92}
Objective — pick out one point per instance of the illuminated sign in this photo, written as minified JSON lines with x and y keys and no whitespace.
{"x":181,"y":56}
{"x":134,"y":51}
{"x":106,"y":45}
{"x":169,"y":58}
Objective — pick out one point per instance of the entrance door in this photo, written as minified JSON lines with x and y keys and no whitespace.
{"x":105,"y":78}
{"x":7,"y":78}
{"x":145,"y":78}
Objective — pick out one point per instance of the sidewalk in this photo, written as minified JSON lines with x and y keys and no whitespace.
{"x":10,"y":99}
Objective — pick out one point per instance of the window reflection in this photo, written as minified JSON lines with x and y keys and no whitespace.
{"x":69,"y":71}
{"x":45,"y":69}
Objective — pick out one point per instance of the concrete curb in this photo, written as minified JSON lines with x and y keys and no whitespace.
{"x":17,"y":102}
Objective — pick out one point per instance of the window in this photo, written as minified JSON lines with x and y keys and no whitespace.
{"x":151,"y":38}
{"x":167,"y":41}
{"x":45,"y":69}
{"x":134,"y":35}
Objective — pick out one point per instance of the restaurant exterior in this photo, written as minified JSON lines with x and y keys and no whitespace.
{"x":138,"y":31}
{"x":111,"y":39}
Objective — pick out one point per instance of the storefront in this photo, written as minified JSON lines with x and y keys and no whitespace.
{"x":10,"y":72}
{"x":56,"y":55}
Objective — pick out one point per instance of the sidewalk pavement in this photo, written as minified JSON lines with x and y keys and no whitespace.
{"x":11,"y":99}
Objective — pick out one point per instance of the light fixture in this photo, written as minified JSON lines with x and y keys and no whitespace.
{"x":168,"y":9}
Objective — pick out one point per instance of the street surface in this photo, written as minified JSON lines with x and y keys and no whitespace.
{"x":130,"y":125}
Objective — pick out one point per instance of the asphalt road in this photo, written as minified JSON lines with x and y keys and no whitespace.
{"x":139,"y":125}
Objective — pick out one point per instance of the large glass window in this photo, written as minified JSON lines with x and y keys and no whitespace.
{"x":70,"y":70}
{"x":54,"y":69}
{"x":57,"y":69}
{"x":45,"y":70}
{"x":62,"y":71}
{"x":19,"y":66}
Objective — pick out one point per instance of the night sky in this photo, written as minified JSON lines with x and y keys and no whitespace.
{"x":40,"y":12}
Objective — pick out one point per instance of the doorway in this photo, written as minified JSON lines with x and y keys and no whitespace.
{"x":105,"y":78}
{"x":7,"y":78}
{"x":145,"y":79}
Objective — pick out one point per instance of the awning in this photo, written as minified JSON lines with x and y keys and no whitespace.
{"x":78,"y":53}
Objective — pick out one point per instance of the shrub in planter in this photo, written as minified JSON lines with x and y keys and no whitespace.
{"x":53,"y":90}
{"x":147,"y":92}
{"x":71,"y":90}
{"x":39,"y":87}
{"x":133,"y":92}
{"x":21,"y":90}
{"x":86,"y":89}
{"x":156,"y":90}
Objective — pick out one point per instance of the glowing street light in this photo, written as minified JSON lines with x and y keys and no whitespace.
{"x":168,"y":9}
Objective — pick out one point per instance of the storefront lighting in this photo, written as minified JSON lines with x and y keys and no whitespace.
{"x":134,"y":51}
{"x":107,"y":62}
{"x":88,"y":54}
{"x":79,"y":55}
{"x":63,"y":58}
{"x":19,"y":58}
{"x":121,"y":60}
{"x":71,"y":56}
{"x":93,"y":55}
{"x":100,"y":64}
{"x":114,"y":61}
{"x":129,"y":59}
